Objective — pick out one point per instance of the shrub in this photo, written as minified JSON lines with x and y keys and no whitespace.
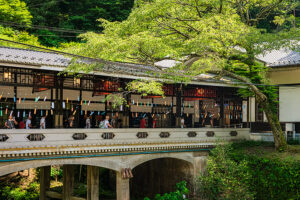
{"x":179,"y":194}
{"x":225,"y":178}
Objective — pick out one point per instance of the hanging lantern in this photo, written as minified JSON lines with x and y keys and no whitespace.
{"x":133,"y":101}
{"x":74,"y":112}
{"x":15,"y":99}
{"x":24,"y":113}
{"x":19,"y":100}
{"x":67,"y":100}
{"x":84,"y":102}
{"x":6,"y":111}
{"x":72,"y":108}
{"x":81,"y":102}
{"x":63,"y":105}
{"x":89,"y":103}
{"x":1,"y":113}
{"x":51,"y":112}
{"x":136,"y":114}
{"x":46,"y":112}
{"x":45,"y":98}
{"x":85,"y":112}
{"x":18,"y":115}
{"x":78,"y":99}
{"x":42,"y":113}
{"x":121,"y":107}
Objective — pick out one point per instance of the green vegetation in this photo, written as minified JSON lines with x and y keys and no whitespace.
{"x":251,"y":170}
{"x":73,"y":17}
{"x":179,"y":194}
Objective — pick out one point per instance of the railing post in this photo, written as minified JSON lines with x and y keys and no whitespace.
{"x":123,"y":189}
{"x":44,"y":181}
{"x":92,"y":183}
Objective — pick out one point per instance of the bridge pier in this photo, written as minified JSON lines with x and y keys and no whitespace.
{"x":92,"y":183}
{"x":45,"y":173}
{"x":68,"y":181}
{"x":122,"y":186}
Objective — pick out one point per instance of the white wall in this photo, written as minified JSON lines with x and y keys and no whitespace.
{"x":289,"y":104}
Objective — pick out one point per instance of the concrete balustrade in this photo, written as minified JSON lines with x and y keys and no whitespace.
{"x":37,"y":142}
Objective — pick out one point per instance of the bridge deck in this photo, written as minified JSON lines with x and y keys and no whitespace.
{"x":18,"y":143}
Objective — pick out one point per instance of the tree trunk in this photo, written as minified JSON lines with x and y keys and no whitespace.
{"x":279,"y":139}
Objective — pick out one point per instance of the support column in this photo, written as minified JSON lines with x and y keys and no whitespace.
{"x":123,"y":189}
{"x":199,"y":168}
{"x":44,"y":181}
{"x":92,"y":183}
{"x":68,"y":181}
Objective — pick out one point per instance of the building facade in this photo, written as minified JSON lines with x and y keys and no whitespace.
{"x":32,"y":83}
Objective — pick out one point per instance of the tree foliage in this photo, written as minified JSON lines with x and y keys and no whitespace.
{"x":216,"y":36}
{"x":15,"y":11}
{"x":75,"y":15}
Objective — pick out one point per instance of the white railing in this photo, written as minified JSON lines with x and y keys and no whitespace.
{"x":38,"y":142}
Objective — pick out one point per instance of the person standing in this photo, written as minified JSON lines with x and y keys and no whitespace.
{"x":21,"y":124}
{"x":154,"y":122}
{"x":43,"y":122}
{"x":182,"y":122}
{"x":28,"y":123}
{"x":143,"y":123}
{"x":88,"y":122}
{"x":106,"y":122}
{"x":11,"y":122}
{"x":71,"y":122}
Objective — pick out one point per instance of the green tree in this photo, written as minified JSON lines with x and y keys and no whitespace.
{"x":68,"y":15}
{"x":14,"y":11}
{"x":206,"y":34}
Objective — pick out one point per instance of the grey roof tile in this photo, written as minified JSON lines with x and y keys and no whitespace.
{"x":279,"y":58}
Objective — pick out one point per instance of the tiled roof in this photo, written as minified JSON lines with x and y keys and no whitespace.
{"x":55,"y":61}
{"x":32,"y":57}
{"x":25,"y":56}
{"x":280,"y":58}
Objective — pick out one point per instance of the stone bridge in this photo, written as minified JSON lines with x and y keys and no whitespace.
{"x":120,"y":150}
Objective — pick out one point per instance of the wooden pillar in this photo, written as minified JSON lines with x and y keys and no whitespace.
{"x":92,"y":183}
{"x":178,"y":105}
{"x":222,"y":119}
{"x":123,"y":189}
{"x":68,"y":181}
{"x":44,"y":181}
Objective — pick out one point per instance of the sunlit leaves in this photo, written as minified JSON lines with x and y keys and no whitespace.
{"x":146,"y":87}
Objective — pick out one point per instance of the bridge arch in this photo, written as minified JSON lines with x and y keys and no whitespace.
{"x":104,"y":162}
{"x":140,"y":159}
